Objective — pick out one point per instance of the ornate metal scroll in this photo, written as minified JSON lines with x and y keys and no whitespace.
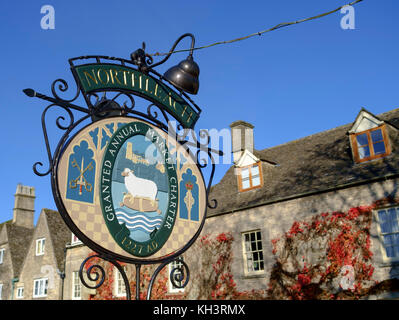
{"x":100,"y":105}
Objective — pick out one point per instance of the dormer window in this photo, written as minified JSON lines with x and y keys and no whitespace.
{"x":250,"y":177}
{"x":369,"y":138}
{"x":75,"y":240}
{"x":370,"y":144}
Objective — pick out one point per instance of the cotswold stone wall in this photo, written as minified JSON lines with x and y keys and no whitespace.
{"x":40,"y":266}
{"x":6,"y":273}
{"x":74,"y":258}
{"x":275,"y":219}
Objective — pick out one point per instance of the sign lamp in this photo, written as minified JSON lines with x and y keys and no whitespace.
{"x":183,"y":76}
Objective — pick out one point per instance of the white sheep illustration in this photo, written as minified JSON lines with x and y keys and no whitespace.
{"x":139,"y":187}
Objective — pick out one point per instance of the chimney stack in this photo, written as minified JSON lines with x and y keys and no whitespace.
{"x":242,"y":138}
{"x":24,"y":206}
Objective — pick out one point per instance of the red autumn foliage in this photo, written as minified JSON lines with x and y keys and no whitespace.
{"x":314,"y":257}
{"x":107,"y":290}
{"x":214,"y":278}
{"x":311,"y":258}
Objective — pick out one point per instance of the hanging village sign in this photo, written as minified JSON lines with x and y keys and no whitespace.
{"x":124,"y":182}
{"x":131,"y":188}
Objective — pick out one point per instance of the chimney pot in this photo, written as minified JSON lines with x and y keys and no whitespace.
{"x":242,"y":138}
{"x":24,"y":206}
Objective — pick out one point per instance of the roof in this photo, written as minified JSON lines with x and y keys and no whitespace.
{"x":317,"y":163}
{"x":18,"y":241}
{"x":5,"y":223}
{"x":60,"y":235}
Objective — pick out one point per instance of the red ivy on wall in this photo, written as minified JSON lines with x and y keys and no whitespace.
{"x":327,"y":256}
{"x":214,"y":278}
{"x":107,"y":290}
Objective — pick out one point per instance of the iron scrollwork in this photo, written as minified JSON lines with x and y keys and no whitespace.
{"x":112,"y":102}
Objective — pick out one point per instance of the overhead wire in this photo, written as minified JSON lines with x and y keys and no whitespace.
{"x":278,"y":26}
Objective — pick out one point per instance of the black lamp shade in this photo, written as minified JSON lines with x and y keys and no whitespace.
{"x":184,"y":76}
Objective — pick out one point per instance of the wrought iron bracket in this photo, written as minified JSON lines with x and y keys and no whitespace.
{"x":105,"y":107}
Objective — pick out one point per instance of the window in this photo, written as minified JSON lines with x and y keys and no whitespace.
{"x":250,"y":177}
{"x":388,"y":222}
{"x":76,"y":286}
{"x":1,"y":291}
{"x":75,"y":240}
{"x":178,"y":276}
{"x":40,"y":246}
{"x":370,"y":144}
{"x":40,"y":288}
{"x":20,"y":292}
{"x":120,"y":289}
{"x":2,"y":255}
{"x":253,"y":253}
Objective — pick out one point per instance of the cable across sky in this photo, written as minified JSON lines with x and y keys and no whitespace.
{"x":278,"y":26}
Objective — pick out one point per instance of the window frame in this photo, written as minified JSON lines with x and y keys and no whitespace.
{"x":76,"y":286}
{"x":355,"y":146}
{"x":2,"y":251}
{"x":44,"y":286}
{"x":20,"y":292}
{"x":75,"y":240}
{"x":42,"y":246}
{"x":245,"y":253}
{"x":239,"y":177}
{"x":119,"y":289}
{"x":381,"y":235}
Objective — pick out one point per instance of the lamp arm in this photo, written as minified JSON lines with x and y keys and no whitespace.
{"x":174,"y":46}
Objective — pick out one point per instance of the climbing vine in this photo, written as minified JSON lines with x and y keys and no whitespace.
{"x":327,"y":256}
{"x":107,"y":291}
{"x":214,"y":278}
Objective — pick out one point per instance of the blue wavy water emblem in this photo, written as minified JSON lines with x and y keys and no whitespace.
{"x":142,"y":225}
{"x":137,"y":221}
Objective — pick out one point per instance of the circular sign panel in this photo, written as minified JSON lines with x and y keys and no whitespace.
{"x":131,"y":189}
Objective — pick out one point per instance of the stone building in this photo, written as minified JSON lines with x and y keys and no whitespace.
{"x":15,"y":237}
{"x":259,"y":198}
{"x":265,"y":191}
{"x":33,"y":258}
{"x":42,"y":261}
{"x":42,"y":272}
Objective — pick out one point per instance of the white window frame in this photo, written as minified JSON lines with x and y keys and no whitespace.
{"x":2,"y":250}
{"x":250,"y":177}
{"x":381,"y":235}
{"x":42,"y":288}
{"x":20,"y":292}
{"x":171,"y":287}
{"x":40,"y":246}
{"x":259,"y":251}
{"x":76,"y":286}
{"x":75,"y":240}
{"x":119,"y":289}
{"x":1,"y":291}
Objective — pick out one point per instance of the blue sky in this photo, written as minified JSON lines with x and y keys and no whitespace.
{"x":288,"y":83}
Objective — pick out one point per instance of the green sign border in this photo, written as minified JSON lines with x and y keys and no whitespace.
{"x":119,"y":232}
{"x":107,"y":76}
